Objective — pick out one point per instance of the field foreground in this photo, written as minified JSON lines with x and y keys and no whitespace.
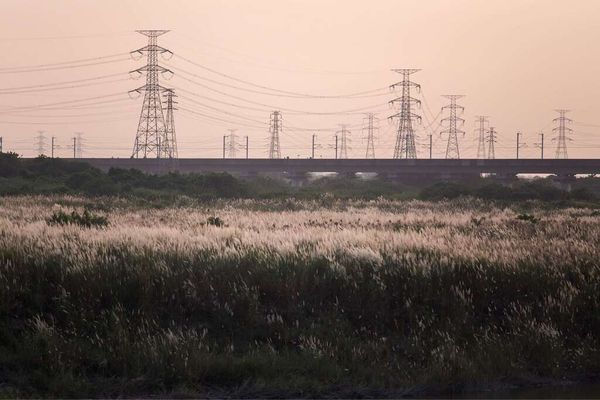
{"x":250,"y":298}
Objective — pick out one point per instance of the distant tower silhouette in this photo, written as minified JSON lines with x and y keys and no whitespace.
{"x":491,"y":139}
{"x":151,"y":138}
{"x":482,"y":121}
{"x":275,"y":126}
{"x":40,"y":143}
{"x":171,"y":137}
{"x":232,"y":144}
{"x":453,"y":120}
{"x":563,"y":130}
{"x":405,"y":136}
{"x":344,"y":140}
{"x":370,"y":121}
{"x":79,"y":144}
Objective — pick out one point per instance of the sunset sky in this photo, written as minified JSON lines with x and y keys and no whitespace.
{"x":514,"y":60}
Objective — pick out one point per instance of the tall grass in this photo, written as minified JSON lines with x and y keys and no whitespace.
{"x":293,"y":303}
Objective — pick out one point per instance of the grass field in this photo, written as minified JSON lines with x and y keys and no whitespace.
{"x":292,"y":298}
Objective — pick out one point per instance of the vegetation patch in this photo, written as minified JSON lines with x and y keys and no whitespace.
{"x":85,"y":219}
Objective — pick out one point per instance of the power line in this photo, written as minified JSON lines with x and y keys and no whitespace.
{"x":61,"y":67}
{"x":277,"y":90}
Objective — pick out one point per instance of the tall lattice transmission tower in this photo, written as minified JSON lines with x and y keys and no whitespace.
{"x":481,"y":122}
{"x":405,"y":136}
{"x":344,"y":141}
{"x":232,"y":144}
{"x":454,"y":121}
{"x":275,"y":126}
{"x":39,"y":142}
{"x":371,"y":122}
{"x":563,"y":130}
{"x":79,"y":144}
{"x":171,"y":137}
{"x":491,"y":139}
{"x":151,"y":138}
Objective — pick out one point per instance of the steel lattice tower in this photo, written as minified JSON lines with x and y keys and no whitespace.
{"x":370,"y":135}
{"x":40,"y":143}
{"x":232,"y":144}
{"x":275,"y":126}
{"x":405,"y":137}
{"x":344,"y":140}
{"x":171,"y":137}
{"x":491,"y":139}
{"x":151,"y":138}
{"x":453,"y":120}
{"x":563,"y":130}
{"x":482,"y":120}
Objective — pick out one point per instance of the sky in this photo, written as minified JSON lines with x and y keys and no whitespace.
{"x":65,"y":69}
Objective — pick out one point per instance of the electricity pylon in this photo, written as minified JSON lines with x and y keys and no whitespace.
{"x":454,"y":121}
{"x":563,"y":130}
{"x":491,"y":139}
{"x":274,"y":130}
{"x":405,"y":136}
{"x":344,"y":140}
{"x":482,"y":121}
{"x":151,"y":138}
{"x":171,"y":137}
{"x":40,"y":143}
{"x":78,"y":144}
{"x":370,"y":128}
{"x":232,"y":144}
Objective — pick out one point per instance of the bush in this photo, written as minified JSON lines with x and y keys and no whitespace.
{"x":215,"y":221}
{"x":86,"y":219}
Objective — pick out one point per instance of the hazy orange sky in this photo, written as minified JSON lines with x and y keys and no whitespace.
{"x":515,"y":61}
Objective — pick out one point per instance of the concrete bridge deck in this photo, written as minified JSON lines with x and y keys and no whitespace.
{"x":392,"y":168}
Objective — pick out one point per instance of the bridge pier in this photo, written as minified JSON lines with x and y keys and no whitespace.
{"x":564,"y":181}
{"x":346,"y":175}
{"x":296,"y":178}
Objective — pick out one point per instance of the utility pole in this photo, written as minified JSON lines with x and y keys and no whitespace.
{"x":519,"y":144}
{"x":52,"y":151}
{"x":313,"y":146}
{"x":246,"y":147}
{"x":40,"y":143}
{"x":453,"y":122}
{"x":563,"y":130}
{"x":336,"y":146}
{"x":170,"y":135}
{"x":541,"y":145}
{"x":224,"y":138}
{"x":274,"y":130}
{"x":405,"y":136}
{"x":151,"y":130}
{"x":0,"y":144}
{"x":430,"y":146}
{"x":74,"y":147}
{"x":491,"y":139}
{"x":482,"y":120}
{"x":370,"y":136}
{"x":344,"y":139}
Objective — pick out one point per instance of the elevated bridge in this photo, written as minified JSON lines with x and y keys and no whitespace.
{"x":394,"y":169}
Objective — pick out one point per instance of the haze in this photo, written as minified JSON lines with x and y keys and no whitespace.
{"x":515,"y":61}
